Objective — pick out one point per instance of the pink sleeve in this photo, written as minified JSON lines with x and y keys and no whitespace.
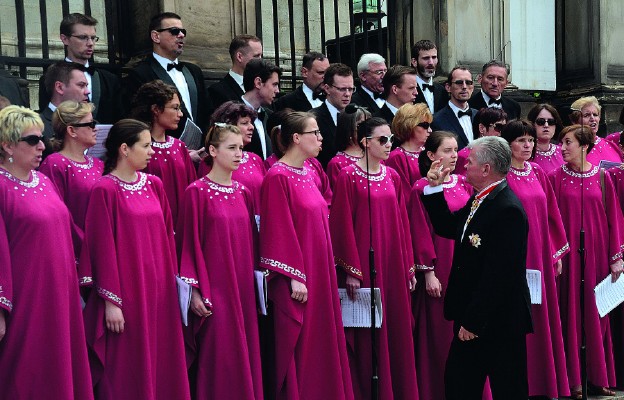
{"x":421,"y":232}
{"x":558,"y":241}
{"x":6,"y":276}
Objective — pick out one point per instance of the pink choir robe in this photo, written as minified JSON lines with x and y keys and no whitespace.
{"x":130,"y":254}
{"x":547,"y":243}
{"x":406,"y":164}
{"x":215,"y":236}
{"x":602,"y":224}
{"x":250,"y":173}
{"x":549,"y":160}
{"x":336,"y":164}
{"x":311,"y":355}
{"x":394,"y":263}
{"x":462,"y":159}
{"x":604,"y":150}
{"x":173,"y":165}
{"x":270,"y":160}
{"x":43,"y":353}
{"x":614,"y":137}
{"x":73,"y":180}
{"x":433,"y":334}
{"x":321,"y":178}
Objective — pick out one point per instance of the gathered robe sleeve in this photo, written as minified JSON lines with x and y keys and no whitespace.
{"x":421,"y":230}
{"x":402,"y":195}
{"x":614,"y":219}
{"x":322,"y":180}
{"x":399,"y":162}
{"x":6,"y":276}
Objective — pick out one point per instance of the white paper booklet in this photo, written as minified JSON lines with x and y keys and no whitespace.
{"x":184,"y":298}
{"x":357,"y":313}
{"x":261,"y":291}
{"x":534,"y":280}
{"x":609,"y":294}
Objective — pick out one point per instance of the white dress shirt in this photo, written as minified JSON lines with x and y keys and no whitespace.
{"x":178,"y":79}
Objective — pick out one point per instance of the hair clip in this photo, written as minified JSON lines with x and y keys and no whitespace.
{"x":221,"y":124}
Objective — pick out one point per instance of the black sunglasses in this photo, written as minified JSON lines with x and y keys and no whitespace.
{"x":90,"y":124}
{"x":424,"y":125}
{"x":32,"y":140}
{"x":460,"y":82}
{"x":173,"y":30}
{"x":543,"y":121}
{"x":498,"y":127}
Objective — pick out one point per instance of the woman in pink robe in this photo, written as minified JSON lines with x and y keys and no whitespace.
{"x":350,"y":229}
{"x":548,"y":125}
{"x":602,"y":222}
{"x":295,"y":247}
{"x":216,"y":237}
{"x":72,"y":172}
{"x":158,"y":105}
{"x":346,"y":141}
{"x":132,"y":317}
{"x":42,"y":341}
{"x":547,"y":245}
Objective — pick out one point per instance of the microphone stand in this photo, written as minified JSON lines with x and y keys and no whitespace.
{"x":581,"y":250}
{"x":373,"y":273}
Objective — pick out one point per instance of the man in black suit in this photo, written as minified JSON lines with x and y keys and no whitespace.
{"x":307,"y":96}
{"x":79,"y":37}
{"x":243,"y":48}
{"x":338,"y":84}
{"x":487,"y":296}
{"x":425,"y":60}
{"x":371,"y":69}
{"x":457,"y":116}
{"x":261,"y":80}
{"x":399,"y":88}
{"x":167,"y":34}
{"x":493,"y":80}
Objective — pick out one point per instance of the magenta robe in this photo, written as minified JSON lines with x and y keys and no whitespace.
{"x":73,"y":181}
{"x":394,"y":262}
{"x":604,"y":150}
{"x":336,"y":164}
{"x":311,"y":355}
{"x":215,"y":239}
{"x":173,"y":165}
{"x":406,"y":164}
{"x":270,"y":160}
{"x":130,"y":253}
{"x":549,"y":160}
{"x":614,"y":137}
{"x":250,"y":173}
{"x":43,"y":353}
{"x":602,"y":224}
{"x":433,"y":334}
{"x":462,"y":158}
{"x":547,"y":243}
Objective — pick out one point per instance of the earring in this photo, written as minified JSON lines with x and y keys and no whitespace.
{"x":10,"y":160}
{"x":126,"y":154}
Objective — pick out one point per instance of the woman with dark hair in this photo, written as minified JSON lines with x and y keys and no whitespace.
{"x":251,"y":171}
{"x":158,"y":105}
{"x":71,"y":170}
{"x":346,"y":140}
{"x":577,"y":183}
{"x":350,"y":228}
{"x":129,"y":255}
{"x":216,"y":239}
{"x":295,"y":247}
{"x":433,"y":257}
{"x":548,"y":125}
{"x":546,"y":246}
{"x":42,"y":340}
{"x":488,"y":121}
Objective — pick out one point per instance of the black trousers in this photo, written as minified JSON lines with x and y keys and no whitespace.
{"x":502,"y":358}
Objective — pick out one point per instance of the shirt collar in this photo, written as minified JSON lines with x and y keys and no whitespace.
{"x":420,"y":81}
{"x":333,"y":111}
{"x":392,"y":108}
{"x":455,"y":108}
{"x":163,"y":61}
{"x":487,"y":98}
{"x":238,"y":78}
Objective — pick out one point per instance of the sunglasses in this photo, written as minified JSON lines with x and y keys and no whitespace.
{"x":383,"y":140}
{"x":498,"y":127}
{"x":173,"y":30}
{"x":32,"y":140}
{"x":543,"y":121}
{"x":424,"y":125}
{"x":460,"y":82}
{"x":90,"y":124}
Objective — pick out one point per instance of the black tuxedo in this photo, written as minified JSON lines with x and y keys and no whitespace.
{"x":446,"y":120}
{"x":511,"y":107}
{"x":440,"y":97}
{"x":385,"y":113}
{"x":296,"y":100}
{"x":362,"y":99}
{"x":149,"y":70}
{"x":48,"y":131}
{"x":225,"y":90}
{"x":487,"y":294}
{"x":255,"y":146}
{"x":328,"y":130}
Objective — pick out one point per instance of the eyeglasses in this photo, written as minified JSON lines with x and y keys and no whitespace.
{"x":383,"y":140}
{"x":378,"y":72}
{"x":90,"y":124}
{"x":424,"y":125}
{"x":317,"y":133}
{"x":543,"y":121}
{"x":32,"y":140}
{"x":173,"y":30}
{"x":174,"y":108}
{"x":344,"y":89}
{"x":86,"y":38}
{"x":498,"y":127}
{"x":460,"y":82}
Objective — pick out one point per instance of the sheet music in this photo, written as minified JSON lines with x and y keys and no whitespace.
{"x":184,"y":298}
{"x":261,"y":291}
{"x":191,"y":135}
{"x":99,"y":150}
{"x":357,"y":313}
{"x":609,"y":294}
{"x":609,"y":164}
{"x":534,"y":280}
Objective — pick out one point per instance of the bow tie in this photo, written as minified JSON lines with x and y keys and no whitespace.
{"x":320,"y":95}
{"x":377,"y":95}
{"x":173,"y":65}
{"x":494,"y":101}
{"x":427,"y":87}
{"x":461,"y":113}
{"x":261,"y":115}
{"x":90,"y":70}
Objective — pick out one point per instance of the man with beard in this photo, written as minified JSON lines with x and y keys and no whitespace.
{"x":371,"y":69}
{"x":493,"y":80}
{"x":307,"y":96}
{"x":399,"y":88}
{"x":167,"y":35}
{"x":457,"y":115}
{"x":425,"y":60}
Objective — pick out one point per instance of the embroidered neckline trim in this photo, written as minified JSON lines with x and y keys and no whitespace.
{"x":575,"y":174}
{"x":163,"y":145}
{"x":133,"y":187}
{"x":299,"y":171}
{"x":348,"y":156}
{"x":522,"y":172}
{"x":452,"y":183}
{"x":372,"y":177}
{"x":551,"y":150}
{"x":220,"y":188}
{"x":33,"y":182}
{"x":88,"y":164}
